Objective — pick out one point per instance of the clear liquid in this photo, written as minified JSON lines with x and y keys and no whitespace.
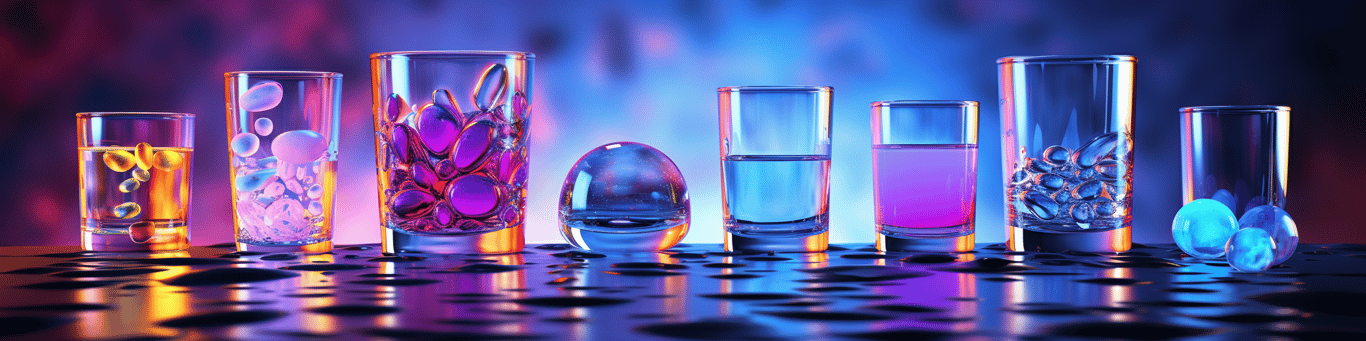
{"x":1234,"y":161}
{"x":160,"y":222}
{"x":282,"y":212}
{"x":786,"y":195}
{"x":925,"y":190}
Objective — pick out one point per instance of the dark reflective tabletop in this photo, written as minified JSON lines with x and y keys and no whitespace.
{"x":554,"y":292}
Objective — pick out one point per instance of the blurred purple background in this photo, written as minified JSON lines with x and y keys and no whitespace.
{"x":647,"y":71}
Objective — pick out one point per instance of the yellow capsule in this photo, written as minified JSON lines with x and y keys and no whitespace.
{"x":119,"y":160}
{"x":127,"y":210}
{"x":130,"y":185}
{"x":142,"y":232}
{"x":168,"y":160}
{"x":142,"y":175}
{"x":144,"y":155}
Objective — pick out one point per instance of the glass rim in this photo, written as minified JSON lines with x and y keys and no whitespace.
{"x":133,"y":114}
{"x":1068,"y":59}
{"x":455,"y":54}
{"x":776,"y":88}
{"x":283,"y":74}
{"x":1235,"y":109}
{"x":924,"y":104}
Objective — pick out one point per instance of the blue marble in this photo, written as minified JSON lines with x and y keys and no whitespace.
{"x":1203,"y":227}
{"x":1277,"y":223}
{"x":624,"y":196}
{"x":1251,"y":250}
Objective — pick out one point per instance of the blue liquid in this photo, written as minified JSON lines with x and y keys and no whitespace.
{"x":787,"y":195}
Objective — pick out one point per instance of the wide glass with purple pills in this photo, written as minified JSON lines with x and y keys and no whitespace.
{"x":451,"y":149}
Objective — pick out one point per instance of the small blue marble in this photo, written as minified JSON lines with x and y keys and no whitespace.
{"x":1202,"y":228}
{"x":1277,"y":223}
{"x":1251,"y":250}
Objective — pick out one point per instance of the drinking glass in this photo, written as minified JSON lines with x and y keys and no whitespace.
{"x":1067,"y":123}
{"x":925,"y":175}
{"x":135,"y":180}
{"x":775,"y":160}
{"x":1237,"y":155}
{"x":283,"y":131}
{"x":451,"y":149}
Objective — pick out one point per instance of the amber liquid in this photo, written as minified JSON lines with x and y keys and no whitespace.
{"x":159,"y":221}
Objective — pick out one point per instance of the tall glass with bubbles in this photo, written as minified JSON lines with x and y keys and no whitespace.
{"x":135,"y":180}
{"x":775,"y":162}
{"x":283,"y":131}
{"x":1067,"y":126}
{"x":925,"y":175}
{"x":451,"y":149}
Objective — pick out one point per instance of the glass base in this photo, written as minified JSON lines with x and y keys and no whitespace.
{"x":1109,"y":241}
{"x":319,"y":247}
{"x":624,"y":242}
{"x":506,"y":240}
{"x":962,"y":243}
{"x":812,"y":243}
{"x":165,"y":239}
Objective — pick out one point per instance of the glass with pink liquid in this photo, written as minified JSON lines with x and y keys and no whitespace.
{"x":925,"y":173}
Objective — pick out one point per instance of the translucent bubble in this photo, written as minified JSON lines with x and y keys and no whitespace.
{"x":1056,"y":155}
{"x":262,"y":96}
{"x":127,"y":210}
{"x":1082,"y":212}
{"x":1107,"y":169}
{"x":438,"y":129}
{"x":294,"y":187}
{"x":624,"y":187}
{"x":143,"y":155}
{"x":299,"y":146}
{"x":168,"y":160}
{"x":142,"y":175}
{"x":411,"y":204}
{"x":1039,"y":204}
{"x":315,"y":192}
{"x":1251,"y":250}
{"x":442,"y":98}
{"x":1106,"y":208}
{"x":1088,"y":190}
{"x":474,"y":145}
{"x":254,"y":181}
{"x":130,"y":185}
{"x":474,"y":195}
{"x":264,"y":126}
{"x":315,"y":208}
{"x":245,"y":144}
{"x":1049,"y":181}
{"x":1278,"y":224}
{"x":492,"y":87}
{"x":1202,"y":228}
{"x":1095,"y":150}
{"x":395,"y":107}
{"x":142,"y":231}
{"x":119,"y":160}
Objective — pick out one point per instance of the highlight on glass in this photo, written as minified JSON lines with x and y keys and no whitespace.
{"x":283,"y":131}
{"x":1067,"y":126}
{"x":925,"y":175}
{"x":451,"y":149}
{"x":135,"y":170}
{"x":775,"y":160}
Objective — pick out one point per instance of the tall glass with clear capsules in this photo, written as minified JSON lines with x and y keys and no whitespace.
{"x":925,"y":175}
{"x":451,"y":149}
{"x":135,"y":180}
{"x":283,"y":132}
{"x":775,"y":162}
{"x":1237,"y":155}
{"x":1067,"y":125}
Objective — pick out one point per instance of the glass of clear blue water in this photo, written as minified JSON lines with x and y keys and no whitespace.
{"x":1237,"y":155}
{"x":1067,"y":151}
{"x":775,"y":160}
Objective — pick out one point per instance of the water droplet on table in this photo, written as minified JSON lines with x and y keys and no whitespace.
{"x":630,"y":191}
{"x":262,"y":96}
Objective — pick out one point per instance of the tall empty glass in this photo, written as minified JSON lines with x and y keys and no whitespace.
{"x":1067,"y":149}
{"x":451,"y":149}
{"x":135,"y":180}
{"x":1238,"y":155}
{"x":925,"y":175}
{"x":283,"y":131}
{"x":775,"y":160}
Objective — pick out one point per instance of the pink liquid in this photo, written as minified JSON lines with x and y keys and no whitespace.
{"x":925,"y":190}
